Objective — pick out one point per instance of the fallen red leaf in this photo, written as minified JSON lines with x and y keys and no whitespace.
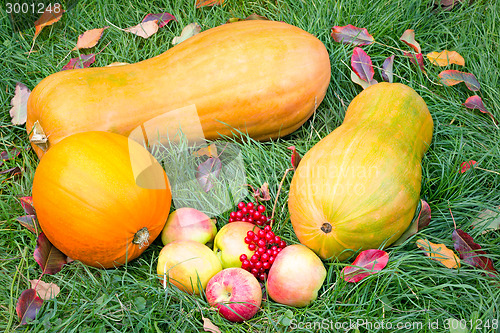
{"x":84,"y":61}
{"x":467,"y":165}
{"x":50,"y":259}
{"x":29,"y":222}
{"x":471,"y":253}
{"x":51,"y":15}
{"x":387,"y":69}
{"x":409,"y":38}
{"x":203,"y":3}
{"x":28,"y":305}
{"x":295,"y":159}
{"x":161,"y":18}
{"x":416,"y":59}
{"x":27,"y":204}
{"x":350,"y":34}
{"x":451,"y":77}
{"x":361,"y":64}
{"x":368,"y":262}
{"x":475,"y":102}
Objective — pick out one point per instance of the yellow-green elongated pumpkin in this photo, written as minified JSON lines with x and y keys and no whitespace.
{"x":263,"y":78}
{"x":101,"y":198}
{"x":358,"y":188}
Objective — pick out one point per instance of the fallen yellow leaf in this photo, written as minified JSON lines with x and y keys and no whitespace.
{"x":51,"y":15}
{"x":445,"y":58}
{"x":439,"y":252}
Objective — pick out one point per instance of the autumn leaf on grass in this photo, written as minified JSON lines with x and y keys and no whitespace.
{"x":475,"y":102}
{"x":84,"y":61}
{"x":368,"y":262}
{"x":409,"y":38}
{"x":387,"y":69}
{"x":487,"y":221}
{"x":89,"y":38}
{"x":295,"y":159}
{"x":50,"y":259}
{"x":207,"y":172}
{"x":144,"y":30}
{"x":161,"y":18}
{"x":451,"y":77}
{"x":439,"y":252}
{"x":416,"y":59}
{"x":51,"y":15}
{"x":8,"y":155}
{"x":418,"y":223}
{"x":28,"y":305}
{"x":470,"y":252}
{"x":445,"y":58}
{"x":350,"y":34}
{"x":203,"y":3}
{"x":362,"y":66}
{"x":262,"y":193}
{"x":464,"y":166}
{"x":19,"y":109}
{"x":189,"y":31}
{"x":45,"y":290}
{"x":12,"y":172}
{"x":30,"y":222}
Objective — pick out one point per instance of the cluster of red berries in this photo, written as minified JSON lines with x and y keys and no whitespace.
{"x":250,"y":212}
{"x":266,"y":246}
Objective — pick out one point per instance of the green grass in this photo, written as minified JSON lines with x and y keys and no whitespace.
{"x":411,"y":289}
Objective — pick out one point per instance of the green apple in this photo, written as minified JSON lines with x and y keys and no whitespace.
{"x":229,"y":243}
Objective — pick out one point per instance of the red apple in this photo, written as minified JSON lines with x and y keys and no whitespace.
{"x":188,"y":224}
{"x":235,"y":293}
{"x":295,"y":276}
{"x":229,"y":243}
{"x":183,"y":262}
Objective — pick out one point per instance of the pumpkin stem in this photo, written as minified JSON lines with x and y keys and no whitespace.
{"x":326,"y":228}
{"x":39,"y":138}
{"x":141,"y":238}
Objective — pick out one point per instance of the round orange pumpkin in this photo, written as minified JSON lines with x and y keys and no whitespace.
{"x":101,"y":198}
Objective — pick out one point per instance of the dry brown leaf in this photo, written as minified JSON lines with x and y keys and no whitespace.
{"x":445,"y":58}
{"x":51,"y":15}
{"x":89,"y":38}
{"x":208,"y":326}
{"x":45,"y":290}
{"x":439,"y":252}
{"x":19,"y":109}
{"x":210,"y":151}
{"x":189,"y":31}
{"x":144,"y":30}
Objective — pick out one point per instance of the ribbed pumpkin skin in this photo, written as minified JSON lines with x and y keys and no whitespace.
{"x":88,"y":202}
{"x":264,"y":78}
{"x":361,"y":183}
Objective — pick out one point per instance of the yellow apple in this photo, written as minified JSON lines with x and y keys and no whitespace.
{"x":188,"y":224}
{"x":187,"y":264}
{"x":229,"y":243}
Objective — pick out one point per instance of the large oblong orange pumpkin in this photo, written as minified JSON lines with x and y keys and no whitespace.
{"x":263,"y":78}
{"x":358,"y":188}
{"x":101,"y":198}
